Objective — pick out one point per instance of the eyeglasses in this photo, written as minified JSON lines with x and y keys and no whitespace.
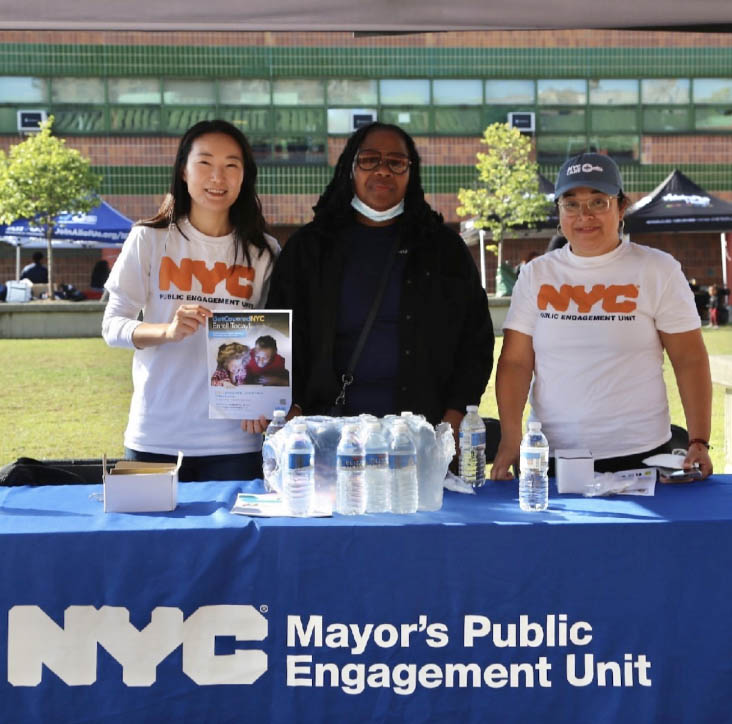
{"x":595,"y":205}
{"x":370,"y":160}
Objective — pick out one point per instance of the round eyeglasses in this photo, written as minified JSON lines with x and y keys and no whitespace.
{"x":369,"y":161}
{"x":595,"y":205}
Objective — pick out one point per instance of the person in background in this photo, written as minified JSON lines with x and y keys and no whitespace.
{"x":430,"y":349}
{"x":717,"y":305}
{"x":205,"y":247}
{"x":99,"y":275}
{"x":35,"y":272}
{"x":556,"y":242}
{"x":585,"y":335}
{"x":265,"y":366}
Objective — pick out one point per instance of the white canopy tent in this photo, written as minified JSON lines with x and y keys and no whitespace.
{"x":356,"y":15}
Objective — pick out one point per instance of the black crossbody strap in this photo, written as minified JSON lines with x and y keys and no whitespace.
{"x":347,"y":377}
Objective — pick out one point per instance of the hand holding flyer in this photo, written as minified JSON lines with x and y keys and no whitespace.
{"x":249,"y":361}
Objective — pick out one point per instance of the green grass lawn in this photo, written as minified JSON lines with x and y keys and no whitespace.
{"x":68,"y":398}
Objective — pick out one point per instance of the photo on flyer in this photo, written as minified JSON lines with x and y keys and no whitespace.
{"x":249,"y":363}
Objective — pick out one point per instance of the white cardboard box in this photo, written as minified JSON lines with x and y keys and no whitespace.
{"x":136,"y":487}
{"x":18,"y":291}
{"x":575,"y":470}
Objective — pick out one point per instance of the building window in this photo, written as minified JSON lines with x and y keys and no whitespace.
{"x":298,"y":92}
{"x":509,"y":92}
{"x":255,"y":92}
{"x":457,"y":92}
{"x":77,"y":90}
{"x":352,"y":92}
{"x":566,"y":92}
{"x":17,"y":89}
{"x":137,"y":91}
{"x":665,"y":91}
{"x":404,"y":92}
{"x":615,"y":92}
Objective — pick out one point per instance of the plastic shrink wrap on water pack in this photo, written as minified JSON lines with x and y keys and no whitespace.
{"x":435,"y":448}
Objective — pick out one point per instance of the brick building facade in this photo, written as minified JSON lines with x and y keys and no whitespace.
{"x":654,"y":100}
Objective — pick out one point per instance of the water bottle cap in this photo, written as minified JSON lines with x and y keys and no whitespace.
{"x":299,"y":427}
{"x":279,"y":412}
{"x":534,"y":426}
{"x":406,"y":413}
{"x":471,"y":408}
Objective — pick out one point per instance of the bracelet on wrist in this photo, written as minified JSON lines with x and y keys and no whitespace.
{"x":699,"y":441}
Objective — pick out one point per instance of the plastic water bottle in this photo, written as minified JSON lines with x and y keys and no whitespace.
{"x":534,"y":467}
{"x":299,"y":482}
{"x":378,"y":480}
{"x":350,"y":485}
{"x":269,"y":456}
{"x":403,"y":469}
{"x":472,"y":447}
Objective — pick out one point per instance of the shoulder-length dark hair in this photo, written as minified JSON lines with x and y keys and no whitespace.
{"x":245,"y":214}
{"x":334,"y":206}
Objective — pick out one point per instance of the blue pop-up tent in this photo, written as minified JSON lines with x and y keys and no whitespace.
{"x":100,"y":227}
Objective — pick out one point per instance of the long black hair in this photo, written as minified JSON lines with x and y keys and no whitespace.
{"x":245,"y":214}
{"x":334,"y":206}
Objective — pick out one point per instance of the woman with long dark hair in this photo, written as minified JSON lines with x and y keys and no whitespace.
{"x":430,"y":349}
{"x":206,"y":247}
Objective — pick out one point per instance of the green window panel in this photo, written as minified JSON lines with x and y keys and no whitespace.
{"x":189,"y":92}
{"x":623,"y":148}
{"x":458,"y":121}
{"x":712,"y":90}
{"x":299,"y":150}
{"x":614,"y":119}
{"x":349,"y":92}
{"x":411,"y":120}
{"x":457,"y":92}
{"x":288,"y":92}
{"x":255,"y":92}
{"x":177,"y":120}
{"x":718,"y":118}
{"x":612,"y":92}
{"x":562,"y":92}
{"x":299,"y":120}
{"x":134,"y":119}
{"x":510,"y":92}
{"x":134,"y":91}
{"x":561,"y":120}
{"x":77,"y":90}
{"x":499,"y":114}
{"x":23,"y":89}
{"x":246,"y":120}
{"x":79,"y":121}
{"x":665,"y":91}
{"x":8,"y":120}
{"x":666,"y":120}
{"x":556,"y":149}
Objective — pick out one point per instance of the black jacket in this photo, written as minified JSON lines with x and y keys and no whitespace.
{"x":445,"y":331}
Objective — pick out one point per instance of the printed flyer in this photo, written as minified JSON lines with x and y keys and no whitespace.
{"x":249,"y":362}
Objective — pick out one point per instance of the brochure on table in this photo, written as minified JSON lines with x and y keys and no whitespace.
{"x":249,"y":363}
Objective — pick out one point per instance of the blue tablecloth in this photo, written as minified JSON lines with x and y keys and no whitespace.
{"x":597,"y":610}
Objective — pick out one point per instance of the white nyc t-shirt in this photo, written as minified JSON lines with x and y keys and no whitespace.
{"x":156,"y":272}
{"x":594,"y":321}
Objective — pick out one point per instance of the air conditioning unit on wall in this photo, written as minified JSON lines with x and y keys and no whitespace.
{"x":360,"y":118}
{"x":523,"y":120}
{"x":30,"y":121}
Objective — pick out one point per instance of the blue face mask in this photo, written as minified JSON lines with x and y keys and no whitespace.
{"x":375,"y":215}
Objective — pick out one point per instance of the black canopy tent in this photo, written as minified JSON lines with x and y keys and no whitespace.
{"x":678,"y":204}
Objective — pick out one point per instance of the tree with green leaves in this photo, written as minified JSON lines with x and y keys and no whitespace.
{"x":507,"y":189}
{"x":41,"y":178}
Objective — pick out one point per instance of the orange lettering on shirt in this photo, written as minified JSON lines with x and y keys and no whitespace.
{"x":209,"y":278}
{"x":237,"y":272}
{"x":610,"y":301}
{"x":180,"y":276}
{"x":587,"y":300}
{"x":548,"y":295}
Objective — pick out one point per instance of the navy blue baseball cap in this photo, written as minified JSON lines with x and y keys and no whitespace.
{"x":593,"y":170}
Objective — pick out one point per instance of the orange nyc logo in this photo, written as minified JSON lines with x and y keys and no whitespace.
{"x":614,"y":298}
{"x":182,"y":276}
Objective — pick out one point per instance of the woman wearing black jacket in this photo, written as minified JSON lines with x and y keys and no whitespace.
{"x":430,"y":349}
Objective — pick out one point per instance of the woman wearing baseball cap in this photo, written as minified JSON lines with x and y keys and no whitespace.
{"x":586,"y":331}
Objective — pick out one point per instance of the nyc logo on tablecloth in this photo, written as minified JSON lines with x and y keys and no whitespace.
{"x":70,"y":652}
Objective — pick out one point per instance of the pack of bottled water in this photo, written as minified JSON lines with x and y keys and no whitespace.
{"x":358,"y":464}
